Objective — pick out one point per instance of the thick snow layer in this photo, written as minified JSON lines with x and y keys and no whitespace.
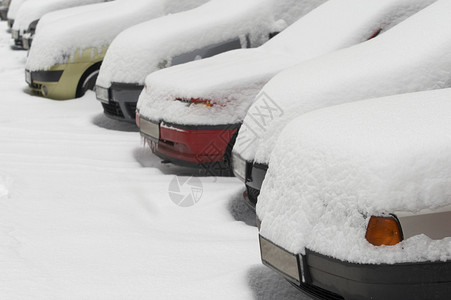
{"x":139,"y":51}
{"x":31,"y":11}
{"x":14,"y":7}
{"x":413,"y":56}
{"x":59,"y":38}
{"x":233,"y":79}
{"x":89,"y":216}
{"x":332,"y":167}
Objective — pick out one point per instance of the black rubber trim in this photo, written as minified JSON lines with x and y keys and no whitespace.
{"x":125,"y":92}
{"x":203,"y":127}
{"x":3,"y":13}
{"x":126,"y":95}
{"x":424,"y":280}
{"x":251,"y":204}
{"x":46,"y":76}
{"x":256,"y":175}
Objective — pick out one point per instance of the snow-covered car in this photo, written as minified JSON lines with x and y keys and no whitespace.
{"x":215,"y":27}
{"x":14,"y":6}
{"x":69,"y":45}
{"x":4,"y":6}
{"x":30,"y":12}
{"x":413,"y":56}
{"x":357,"y":200}
{"x":191,"y":113}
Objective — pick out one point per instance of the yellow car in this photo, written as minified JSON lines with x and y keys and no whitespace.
{"x":70,"y":80}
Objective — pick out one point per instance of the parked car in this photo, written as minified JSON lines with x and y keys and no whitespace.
{"x":4,"y":6}
{"x":190,"y":114}
{"x":14,"y":6}
{"x":30,"y":12}
{"x":203,"y":32}
{"x":357,"y":200}
{"x":413,"y":56}
{"x":69,"y":45}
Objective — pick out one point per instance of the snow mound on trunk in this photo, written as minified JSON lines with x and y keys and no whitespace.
{"x":413,"y":56}
{"x":233,"y":79}
{"x":33,"y":10}
{"x":135,"y":53}
{"x":95,"y":26}
{"x":14,"y":7}
{"x":351,"y":161}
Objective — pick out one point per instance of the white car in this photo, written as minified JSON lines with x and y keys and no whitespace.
{"x":14,"y":6}
{"x":69,"y":45}
{"x":30,"y":12}
{"x":215,"y":27}
{"x":213,"y":95}
{"x":357,"y":200}
{"x":4,"y":7}
{"x":413,"y":56}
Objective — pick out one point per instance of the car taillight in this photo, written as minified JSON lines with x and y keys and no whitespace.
{"x":375,"y":34}
{"x":384,"y":231}
{"x":205,"y":102}
{"x":137,"y":119}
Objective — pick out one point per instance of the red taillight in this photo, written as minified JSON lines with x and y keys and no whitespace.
{"x":375,"y":34}
{"x":384,"y":231}
{"x":137,"y":119}
{"x":205,"y":102}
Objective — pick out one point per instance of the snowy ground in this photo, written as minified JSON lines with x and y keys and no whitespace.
{"x":85,"y":211}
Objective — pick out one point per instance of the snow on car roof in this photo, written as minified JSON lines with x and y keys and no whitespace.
{"x":333,"y":168}
{"x":139,"y":50}
{"x":33,"y":10}
{"x":14,"y":7}
{"x":413,"y":56}
{"x":94,"y":28}
{"x":233,"y":79}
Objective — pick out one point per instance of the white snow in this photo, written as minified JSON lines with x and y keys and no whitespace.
{"x":60,"y":37}
{"x":138,"y":51}
{"x":89,"y":214}
{"x":31,"y":11}
{"x":413,"y":56}
{"x":14,"y":7}
{"x":4,"y":191}
{"x":348,"y":162}
{"x":233,"y":79}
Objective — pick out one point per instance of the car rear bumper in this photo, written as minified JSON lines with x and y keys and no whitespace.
{"x":119,"y":101}
{"x":189,"y":145}
{"x":324,"y":277}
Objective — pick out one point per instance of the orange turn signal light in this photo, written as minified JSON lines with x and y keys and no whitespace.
{"x":384,"y":231}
